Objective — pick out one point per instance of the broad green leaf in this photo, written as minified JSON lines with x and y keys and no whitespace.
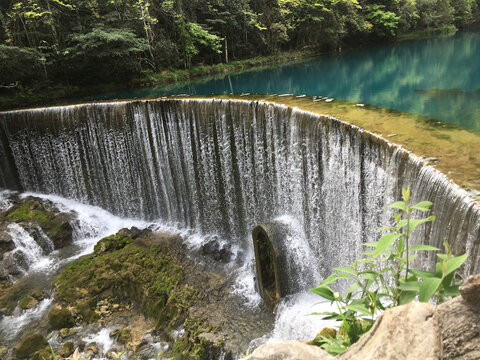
{"x":385,"y":242}
{"x":412,"y":225}
{"x":371,"y":244}
{"x":324,"y":292}
{"x":353,"y":287}
{"x":451,"y":291}
{"x":359,"y":309}
{"x":423,"y":206}
{"x":402,"y":223}
{"x":422,"y":247}
{"x":455,"y":263}
{"x":367,"y":260}
{"x":407,"y":297}
{"x":443,"y":256}
{"x":400,"y":205}
{"x":410,"y":286}
{"x":423,"y":274}
{"x":428,"y":287}
{"x":347,"y":270}
{"x":334,"y":277}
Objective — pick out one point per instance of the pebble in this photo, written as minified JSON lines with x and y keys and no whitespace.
{"x":392,"y":135}
{"x":432,"y":159}
{"x":359,"y":105}
{"x":329,"y":100}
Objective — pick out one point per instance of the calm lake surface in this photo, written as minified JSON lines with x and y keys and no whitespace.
{"x":438,"y":77}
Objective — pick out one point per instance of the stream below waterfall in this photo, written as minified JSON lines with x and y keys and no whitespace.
{"x":93,"y":223}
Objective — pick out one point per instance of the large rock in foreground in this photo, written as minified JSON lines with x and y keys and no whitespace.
{"x":289,"y":350}
{"x":407,"y":332}
{"x":413,"y":331}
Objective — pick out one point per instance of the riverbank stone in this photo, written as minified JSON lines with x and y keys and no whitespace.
{"x":59,"y":318}
{"x":30,"y":344}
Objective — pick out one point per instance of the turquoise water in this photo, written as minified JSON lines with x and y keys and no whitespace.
{"x":438,"y":77}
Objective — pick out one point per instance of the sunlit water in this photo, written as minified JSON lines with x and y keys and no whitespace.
{"x":438,"y":78}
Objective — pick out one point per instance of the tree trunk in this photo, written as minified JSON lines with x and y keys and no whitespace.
{"x":226,"y":50}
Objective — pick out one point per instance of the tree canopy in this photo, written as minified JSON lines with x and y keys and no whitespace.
{"x":75,"y":41}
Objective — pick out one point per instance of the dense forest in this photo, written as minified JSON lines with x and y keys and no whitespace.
{"x":77,"y":42}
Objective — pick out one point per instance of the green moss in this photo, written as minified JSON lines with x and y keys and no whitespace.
{"x":111,"y":243}
{"x":43,"y":354}
{"x":192,"y":345}
{"x":27,"y":302}
{"x":126,"y":272}
{"x":31,"y":212}
{"x":124,"y":336}
{"x":38,"y":294}
{"x":30,"y":344}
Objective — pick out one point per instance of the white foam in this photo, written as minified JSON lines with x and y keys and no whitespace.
{"x":12,"y":325}
{"x":102,"y":339}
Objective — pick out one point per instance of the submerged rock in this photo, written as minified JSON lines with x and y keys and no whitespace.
{"x":66,"y":350}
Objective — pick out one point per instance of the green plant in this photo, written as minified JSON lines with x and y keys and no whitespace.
{"x":383,"y":278}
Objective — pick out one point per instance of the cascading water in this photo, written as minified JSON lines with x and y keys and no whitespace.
{"x":222,"y":167}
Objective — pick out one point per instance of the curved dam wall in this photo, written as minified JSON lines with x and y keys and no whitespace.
{"x":224,"y":166}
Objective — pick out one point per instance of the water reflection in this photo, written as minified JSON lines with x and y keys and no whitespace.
{"x":437,"y":77}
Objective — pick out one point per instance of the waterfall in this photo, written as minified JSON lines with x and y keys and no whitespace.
{"x":224,"y":166}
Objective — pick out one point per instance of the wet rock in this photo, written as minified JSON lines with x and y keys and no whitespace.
{"x":3,"y":351}
{"x":6,"y":243}
{"x":471,"y":290}
{"x":215,"y":250}
{"x":30,"y":345}
{"x":43,"y":354}
{"x":32,"y":211}
{"x":461,"y":329}
{"x":38,"y":295}
{"x":415,"y":329}
{"x":92,"y":349}
{"x":66,"y":350}
{"x":124,"y":336}
{"x":289,"y":350}
{"x":66,"y":332}
{"x":60,"y":318}
{"x":28,"y":302}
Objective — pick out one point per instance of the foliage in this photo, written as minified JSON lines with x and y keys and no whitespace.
{"x":71,"y":43}
{"x":383,"y":278}
{"x":20,"y":66}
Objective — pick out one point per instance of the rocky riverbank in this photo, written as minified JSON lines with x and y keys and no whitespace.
{"x":140,"y":293}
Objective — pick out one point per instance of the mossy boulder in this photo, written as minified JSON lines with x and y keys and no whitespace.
{"x":124,"y":336}
{"x":29,"y":345}
{"x":66,"y":350}
{"x":111,"y":243}
{"x":27,"y":302}
{"x":44,"y":214}
{"x":43,"y":354}
{"x":199,"y":342}
{"x":125,"y":272}
{"x":60,"y":318}
{"x":38,"y":295}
